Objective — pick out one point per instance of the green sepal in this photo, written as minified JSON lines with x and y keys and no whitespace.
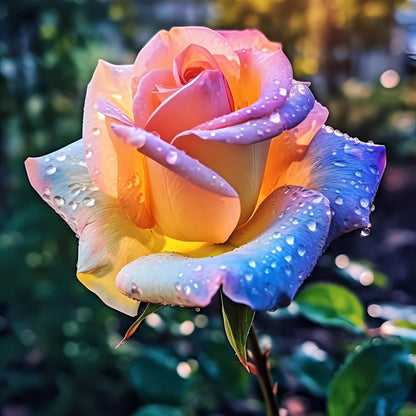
{"x":237,"y":323}
{"x":150,"y":308}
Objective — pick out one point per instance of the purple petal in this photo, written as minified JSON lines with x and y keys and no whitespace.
{"x":173,"y":159}
{"x":293,"y":112}
{"x":347,"y":171}
{"x":275,"y":252}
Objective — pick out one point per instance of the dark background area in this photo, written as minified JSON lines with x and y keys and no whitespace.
{"x":57,"y":339}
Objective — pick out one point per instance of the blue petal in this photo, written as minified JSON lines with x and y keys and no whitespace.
{"x":276,"y":250}
{"x":347,"y":171}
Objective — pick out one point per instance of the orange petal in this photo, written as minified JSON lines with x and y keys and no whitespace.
{"x":116,"y":168}
{"x":290,"y":146}
{"x":241,"y":166}
{"x":186,"y":212}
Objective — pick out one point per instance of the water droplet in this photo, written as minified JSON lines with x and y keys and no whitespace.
{"x":329,"y":129}
{"x":172,"y":157}
{"x":59,"y":201}
{"x":283,"y":92}
{"x":198,"y":268}
{"x":89,"y":202}
{"x":260,"y":132}
{"x":61,"y":158}
{"x":249,"y":277}
{"x":301,"y":250}
{"x":364,"y":202}
{"x":373,"y":208}
{"x":72,"y":205}
{"x":100,"y":116}
{"x":88,"y":155}
{"x":290,"y":240}
{"x":339,"y":201}
{"x":116,"y":95}
{"x":276,"y":234}
{"x":288,"y":258}
{"x":47,"y":191}
{"x":365,"y":232}
{"x":96,"y":131}
{"x":50,"y":170}
{"x":311,"y":225}
{"x":288,"y":269}
{"x":252,"y":263}
{"x":339,"y":164}
{"x":275,"y":117}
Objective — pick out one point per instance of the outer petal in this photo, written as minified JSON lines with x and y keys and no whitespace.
{"x":280,"y":247}
{"x":116,"y":168}
{"x":108,"y":240}
{"x":346,"y":171}
{"x":291,"y":146}
{"x":293,"y":112}
{"x":266,"y":80}
{"x":162,"y":49}
{"x":248,"y":39}
{"x":188,"y":200}
{"x":202,"y":99}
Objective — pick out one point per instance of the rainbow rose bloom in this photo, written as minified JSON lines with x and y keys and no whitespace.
{"x":205,"y":165}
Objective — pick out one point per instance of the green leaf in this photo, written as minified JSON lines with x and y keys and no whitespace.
{"x":313,"y":368}
{"x":150,"y":308}
{"x":375,"y":380}
{"x":153,"y":372}
{"x":157,"y":410}
{"x":237,"y":322}
{"x":329,"y":304}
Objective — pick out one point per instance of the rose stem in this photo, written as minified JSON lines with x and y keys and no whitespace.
{"x":264,"y":376}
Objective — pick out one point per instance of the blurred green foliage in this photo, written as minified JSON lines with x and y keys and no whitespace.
{"x":56,"y":338}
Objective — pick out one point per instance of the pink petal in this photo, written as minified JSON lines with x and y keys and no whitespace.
{"x":147,"y":97}
{"x":249,"y":39}
{"x":202,"y":99}
{"x":164,"y":47}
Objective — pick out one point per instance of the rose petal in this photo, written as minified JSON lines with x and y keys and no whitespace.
{"x":281,"y":244}
{"x":266,"y":80}
{"x":116,"y":168}
{"x":290,"y":146}
{"x":346,"y":171}
{"x":293,"y":112}
{"x":241,"y":166}
{"x":161,"y":50}
{"x":113,"y":83}
{"x":249,"y":39}
{"x":62,"y":179}
{"x":147,"y":97}
{"x":202,"y":99}
{"x":188,"y":200}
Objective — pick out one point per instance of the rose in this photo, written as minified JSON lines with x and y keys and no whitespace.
{"x":203,"y":165}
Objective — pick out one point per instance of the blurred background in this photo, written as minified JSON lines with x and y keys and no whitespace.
{"x":57,"y":339}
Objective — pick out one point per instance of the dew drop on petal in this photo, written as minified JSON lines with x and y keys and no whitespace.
{"x":364,"y":202}
{"x":311,"y":225}
{"x":88,"y":202}
{"x":301,"y":250}
{"x":275,"y":117}
{"x":339,"y":200}
{"x":59,"y":201}
{"x":61,"y":158}
{"x":172,"y":157}
{"x":252,"y":263}
{"x":50,"y":170}
{"x":96,"y":132}
{"x":249,"y":277}
{"x":290,"y":240}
